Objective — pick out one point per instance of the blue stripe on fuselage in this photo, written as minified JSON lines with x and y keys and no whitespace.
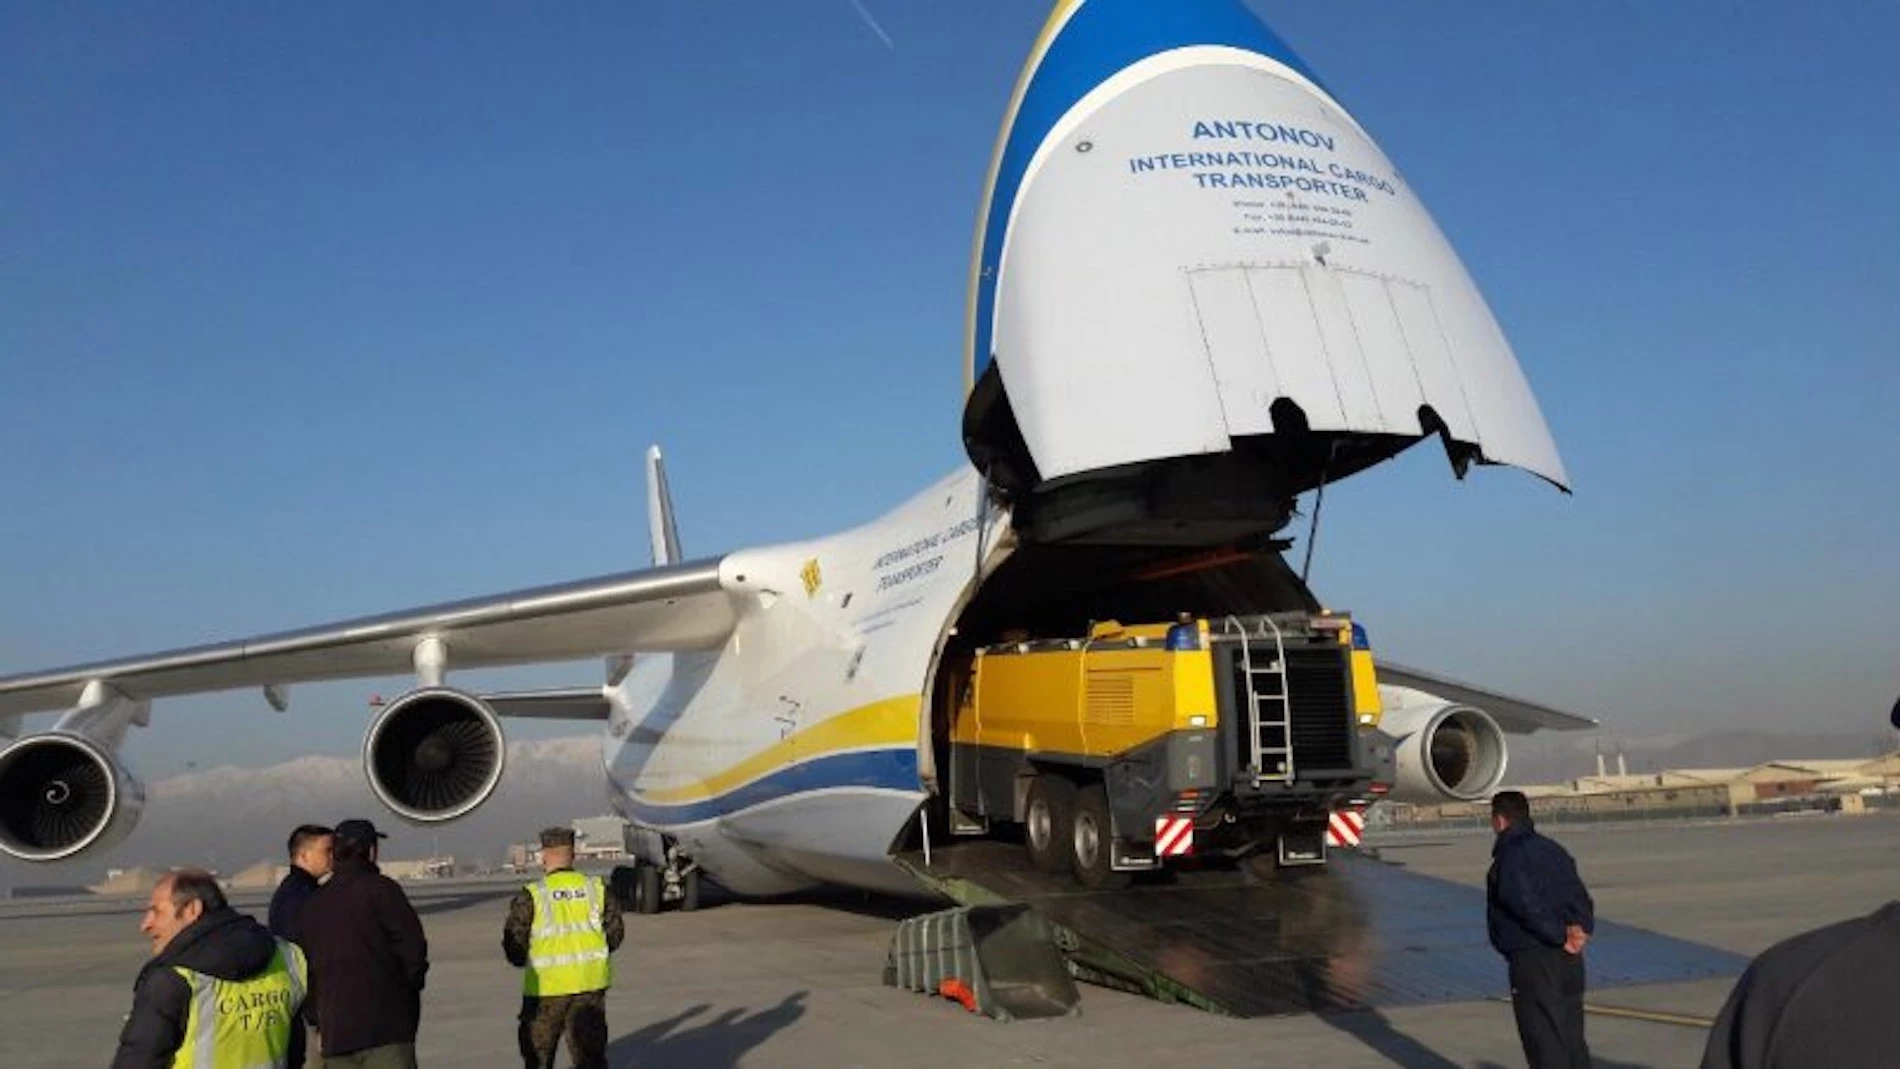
{"x":892,"y":769}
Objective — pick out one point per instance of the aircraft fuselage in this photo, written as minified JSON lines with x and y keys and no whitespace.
{"x":798,"y":753}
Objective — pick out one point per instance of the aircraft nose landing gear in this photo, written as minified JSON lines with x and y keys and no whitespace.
{"x":644,"y":887}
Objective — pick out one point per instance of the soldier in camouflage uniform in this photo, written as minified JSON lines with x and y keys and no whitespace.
{"x":561,"y":929}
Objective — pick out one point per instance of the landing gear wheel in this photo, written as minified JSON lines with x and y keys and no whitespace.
{"x":1091,"y":841}
{"x":1046,"y":822}
{"x":646,"y":898}
{"x":689,"y":891}
{"x":621,"y":887}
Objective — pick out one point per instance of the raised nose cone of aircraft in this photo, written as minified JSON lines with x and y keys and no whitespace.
{"x":1188,"y":248}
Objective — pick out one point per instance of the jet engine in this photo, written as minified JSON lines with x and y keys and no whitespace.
{"x":61,"y":794}
{"x":434,"y":754}
{"x":1442,"y":752}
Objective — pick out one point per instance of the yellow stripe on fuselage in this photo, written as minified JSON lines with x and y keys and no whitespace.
{"x":889,"y":723}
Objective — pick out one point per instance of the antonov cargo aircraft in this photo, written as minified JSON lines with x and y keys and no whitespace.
{"x":1198,"y":289}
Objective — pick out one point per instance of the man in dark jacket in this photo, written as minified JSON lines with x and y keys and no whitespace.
{"x":1539,"y":916}
{"x":310,"y":861}
{"x":1824,"y":997}
{"x":193,"y":929}
{"x":368,"y":958}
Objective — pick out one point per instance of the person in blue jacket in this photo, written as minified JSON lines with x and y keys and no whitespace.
{"x":1539,"y":916}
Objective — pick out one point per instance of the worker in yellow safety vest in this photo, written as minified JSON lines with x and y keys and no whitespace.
{"x":562,"y":930}
{"x":218,"y":993}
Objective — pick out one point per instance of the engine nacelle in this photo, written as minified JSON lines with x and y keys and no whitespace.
{"x":61,"y":794}
{"x":434,"y":754}
{"x":1443,"y":752}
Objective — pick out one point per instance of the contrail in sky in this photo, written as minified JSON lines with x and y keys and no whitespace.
{"x":865,"y":14}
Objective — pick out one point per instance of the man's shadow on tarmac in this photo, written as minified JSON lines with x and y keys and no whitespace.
{"x":1371,"y":1028}
{"x":713,"y":1044}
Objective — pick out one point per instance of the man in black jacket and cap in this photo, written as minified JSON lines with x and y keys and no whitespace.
{"x":368,"y":958}
{"x":217,"y":986}
{"x":1539,"y":916}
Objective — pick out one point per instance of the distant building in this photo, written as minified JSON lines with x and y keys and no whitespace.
{"x":427,"y":868}
{"x":600,"y":838}
{"x":133,"y":881}
{"x":262,"y":876}
{"x":595,"y":839}
{"x":1843,"y":785}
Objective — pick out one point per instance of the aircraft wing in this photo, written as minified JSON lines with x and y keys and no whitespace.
{"x":669,"y":608}
{"x":1514,"y":715}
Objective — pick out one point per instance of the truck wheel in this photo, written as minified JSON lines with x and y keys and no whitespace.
{"x":622,"y":888}
{"x":1046,"y":821}
{"x":647,"y":889}
{"x":1091,"y":841}
{"x":689,"y":891}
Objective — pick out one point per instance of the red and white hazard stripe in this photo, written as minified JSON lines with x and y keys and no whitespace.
{"x":1345,"y":827}
{"x":1174,"y":836}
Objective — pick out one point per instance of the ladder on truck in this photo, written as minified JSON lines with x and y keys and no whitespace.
{"x":1269,"y":704}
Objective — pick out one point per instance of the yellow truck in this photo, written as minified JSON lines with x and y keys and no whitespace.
{"x":1131,"y":747}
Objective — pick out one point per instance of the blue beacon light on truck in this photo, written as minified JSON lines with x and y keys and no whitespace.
{"x":1184,"y":636}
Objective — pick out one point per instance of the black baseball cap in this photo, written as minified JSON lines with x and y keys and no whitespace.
{"x":359,"y":831}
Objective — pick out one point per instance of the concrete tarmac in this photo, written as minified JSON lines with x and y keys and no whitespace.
{"x":796,"y":983}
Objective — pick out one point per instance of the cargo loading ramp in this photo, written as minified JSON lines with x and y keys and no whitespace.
{"x":1354,"y":934}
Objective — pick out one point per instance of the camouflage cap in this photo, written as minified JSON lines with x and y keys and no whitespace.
{"x":557,"y":837}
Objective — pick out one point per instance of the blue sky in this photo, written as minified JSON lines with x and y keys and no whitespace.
{"x":311,"y":312}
